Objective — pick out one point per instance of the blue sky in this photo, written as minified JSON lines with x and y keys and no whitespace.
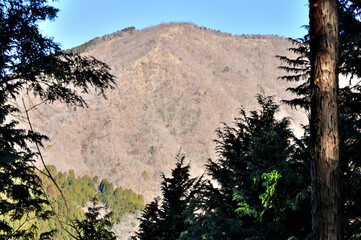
{"x":81,"y":20}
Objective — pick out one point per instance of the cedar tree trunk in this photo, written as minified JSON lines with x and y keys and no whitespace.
{"x":326,"y":199}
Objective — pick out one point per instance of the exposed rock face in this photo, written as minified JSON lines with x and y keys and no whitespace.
{"x":175,"y":84}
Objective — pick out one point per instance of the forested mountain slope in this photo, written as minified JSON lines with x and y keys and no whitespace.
{"x":175,"y":84}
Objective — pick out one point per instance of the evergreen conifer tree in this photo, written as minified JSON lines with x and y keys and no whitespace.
{"x":150,"y":222}
{"x":166,"y":218}
{"x":32,"y":63}
{"x":349,"y":105}
{"x":95,"y":227}
{"x":249,"y":153}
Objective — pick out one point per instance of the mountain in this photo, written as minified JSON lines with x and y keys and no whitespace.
{"x":176,"y":83}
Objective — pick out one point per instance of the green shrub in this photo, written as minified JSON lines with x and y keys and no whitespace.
{"x":145,"y":175}
{"x":225,"y":69}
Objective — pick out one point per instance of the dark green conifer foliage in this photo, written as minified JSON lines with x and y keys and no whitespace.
{"x":32,"y":63}
{"x":95,"y":227}
{"x":350,"y":156}
{"x":121,"y":200}
{"x":257,"y":145}
{"x":349,"y":107}
{"x":349,"y":24}
{"x":106,"y":187}
{"x":299,"y":69}
{"x":176,"y":191}
{"x":166,"y":219}
{"x":78,"y":191}
{"x":149,"y":227}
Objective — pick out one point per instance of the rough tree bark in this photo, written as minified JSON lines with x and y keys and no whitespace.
{"x":326,"y":199}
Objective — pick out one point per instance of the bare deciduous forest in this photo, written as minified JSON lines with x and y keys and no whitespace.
{"x":179,"y":132}
{"x":176,"y":83}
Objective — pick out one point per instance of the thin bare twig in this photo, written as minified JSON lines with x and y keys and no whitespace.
{"x":36,"y":105}
{"x":56,"y":215}
{"x":73,"y":225}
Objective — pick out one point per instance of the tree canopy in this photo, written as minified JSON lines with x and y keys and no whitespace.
{"x":33,"y":64}
{"x":165,"y":217}
{"x":258,"y":187}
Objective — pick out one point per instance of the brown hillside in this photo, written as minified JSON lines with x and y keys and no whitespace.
{"x":176,"y":83}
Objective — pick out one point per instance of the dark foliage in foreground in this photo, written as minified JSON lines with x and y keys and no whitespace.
{"x":33,"y":64}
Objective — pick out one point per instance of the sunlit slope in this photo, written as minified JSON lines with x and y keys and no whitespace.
{"x":175,"y":84}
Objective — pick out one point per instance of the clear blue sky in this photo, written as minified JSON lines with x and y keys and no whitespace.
{"x":81,"y":20}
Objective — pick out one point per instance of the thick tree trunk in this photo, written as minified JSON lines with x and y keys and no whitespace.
{"x":326,"y":199}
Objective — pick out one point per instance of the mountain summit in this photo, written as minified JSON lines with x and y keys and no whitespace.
{"x":175,"y":84}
